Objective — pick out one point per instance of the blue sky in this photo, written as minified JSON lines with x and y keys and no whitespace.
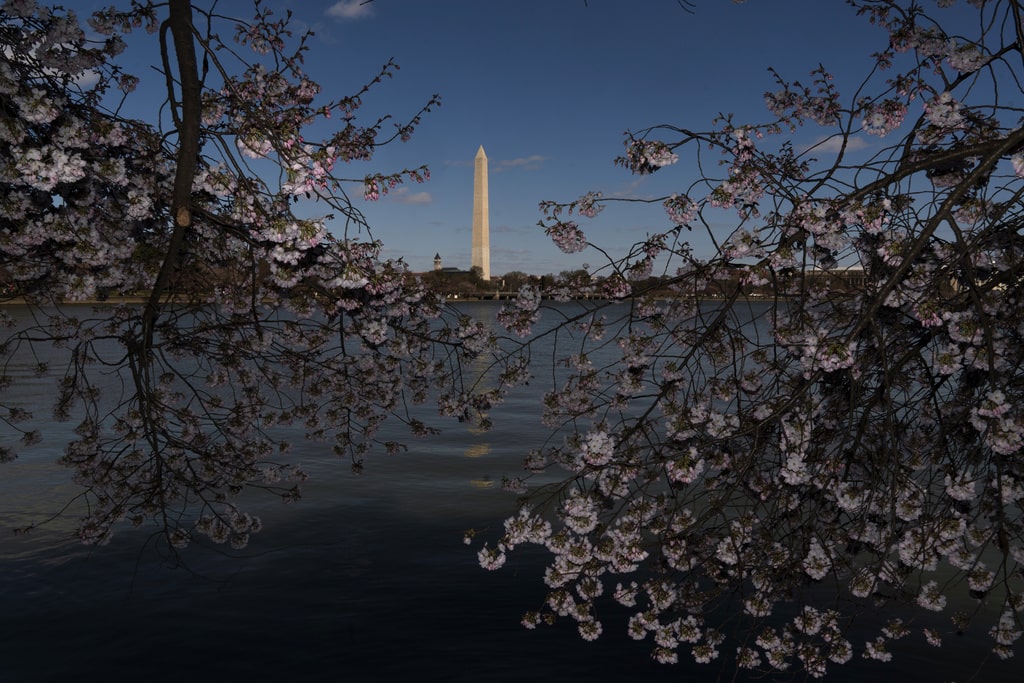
{"x":548,"y":87}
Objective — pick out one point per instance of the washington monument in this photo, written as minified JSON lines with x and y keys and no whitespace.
{"x":481,"y":226}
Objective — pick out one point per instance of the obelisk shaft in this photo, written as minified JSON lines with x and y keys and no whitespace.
{"x":481,"y":210}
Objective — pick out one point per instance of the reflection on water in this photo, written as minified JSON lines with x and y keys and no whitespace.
{"x":365,"y":579}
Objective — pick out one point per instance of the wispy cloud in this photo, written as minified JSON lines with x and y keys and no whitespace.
{"x":834,"y":143}
{"x":631,"y":190}
{"x":403,"y":196}
{"x":350,"y":10}
{"x":530,"y":163}
{"x":87,"y":78}
{"x":512,"y":230}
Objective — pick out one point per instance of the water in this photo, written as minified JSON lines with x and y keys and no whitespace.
{"x":366,"y":579}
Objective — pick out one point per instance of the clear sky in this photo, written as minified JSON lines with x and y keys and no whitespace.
{"x":548,"y":87}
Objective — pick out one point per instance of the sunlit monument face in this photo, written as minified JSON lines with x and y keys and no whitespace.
{"x":481,"y":228}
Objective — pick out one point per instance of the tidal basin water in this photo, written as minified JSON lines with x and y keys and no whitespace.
{"x":366,"y":579}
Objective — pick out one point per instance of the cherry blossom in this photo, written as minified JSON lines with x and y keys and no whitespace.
{"x":254,"y":318}
{"x":830,"y":401}
{"x":830,"y":398}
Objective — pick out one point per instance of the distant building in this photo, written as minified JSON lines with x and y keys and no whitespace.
{"x":437,"y":261}
{"x":851,"y":278}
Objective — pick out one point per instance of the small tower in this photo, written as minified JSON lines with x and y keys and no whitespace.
{"x":437,"y":262}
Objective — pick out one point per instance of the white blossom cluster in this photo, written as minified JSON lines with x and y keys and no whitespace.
{"x":823,"y":417}
{"x":254,"y":321}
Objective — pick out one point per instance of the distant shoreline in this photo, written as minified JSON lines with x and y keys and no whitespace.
{"x":112,"y":301}
{"x":139,"y":300}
